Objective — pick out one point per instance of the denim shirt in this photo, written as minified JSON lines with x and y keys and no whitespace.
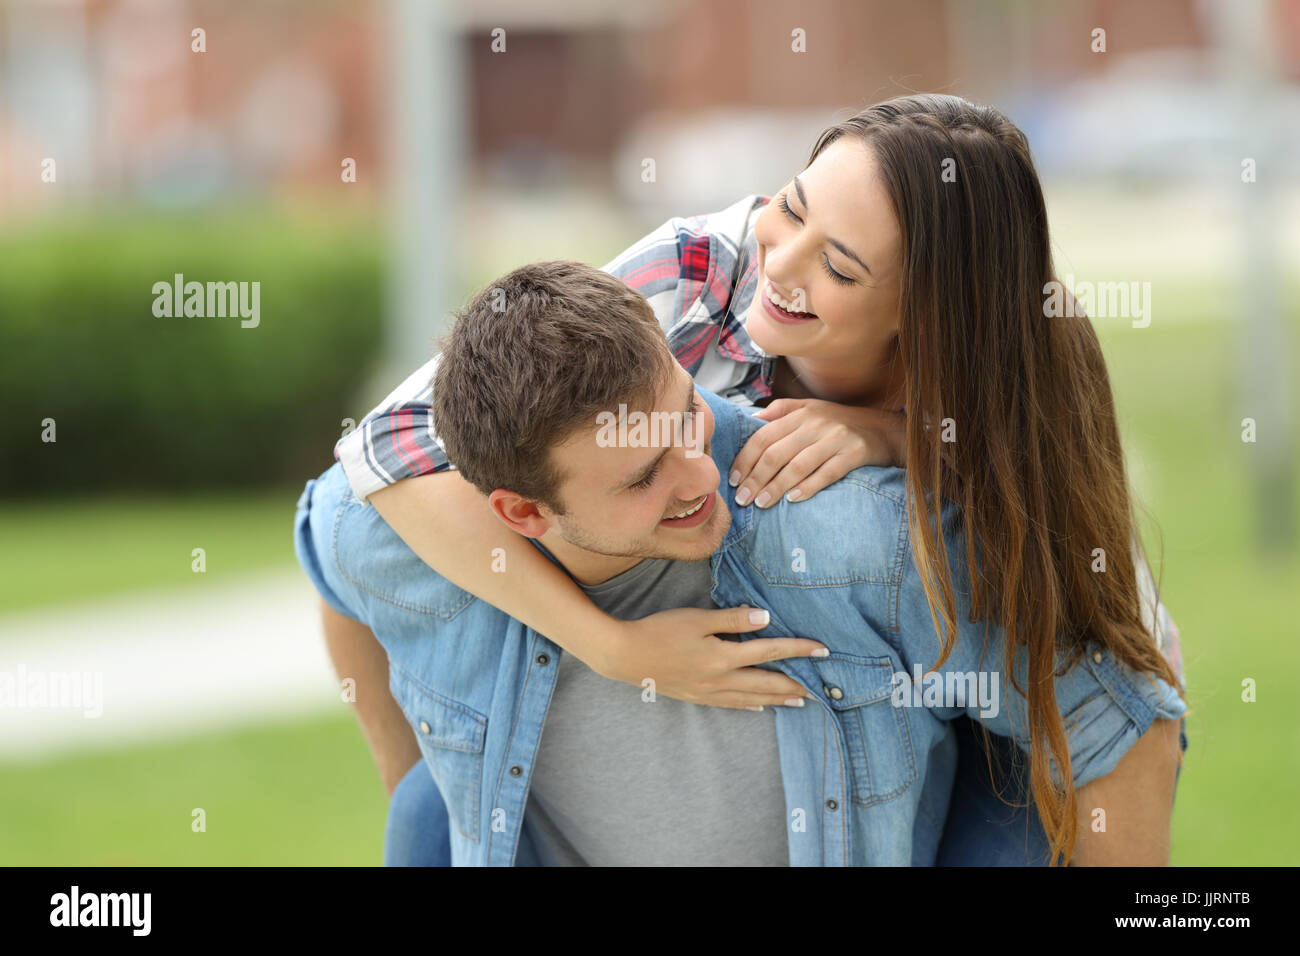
{"x":866,"y":782}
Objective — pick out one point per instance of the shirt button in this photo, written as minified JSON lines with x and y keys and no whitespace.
{"x":1097,"y":656}
{"x":832,"y":805}
{"x":424,"y":727}
{"x":516,"y":770}
{"x":543,"y":659}
{"x":835,"y":693}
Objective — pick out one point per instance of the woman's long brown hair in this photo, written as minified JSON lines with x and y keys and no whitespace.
{"x":1036,"y":467}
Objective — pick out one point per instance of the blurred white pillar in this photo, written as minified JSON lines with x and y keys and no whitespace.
{"x":47,"y":99}
{"x":427,"y":143}
{"x":1245,"y":29}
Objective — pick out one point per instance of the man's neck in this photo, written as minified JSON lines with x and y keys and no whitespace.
{"x":587,"y":567}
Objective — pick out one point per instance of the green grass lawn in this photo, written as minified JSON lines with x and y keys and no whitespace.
{"x":59,"y":551}
{"x":1236,"y":608}
{"x":290,"y":794}
{"x":307,"y":793}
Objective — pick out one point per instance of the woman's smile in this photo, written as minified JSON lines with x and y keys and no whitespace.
{"x":776,"y":306}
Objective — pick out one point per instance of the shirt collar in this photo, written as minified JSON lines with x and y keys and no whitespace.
{"x":734,"y":343}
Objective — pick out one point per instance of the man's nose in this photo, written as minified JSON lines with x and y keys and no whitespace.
{"x":699,"y":477}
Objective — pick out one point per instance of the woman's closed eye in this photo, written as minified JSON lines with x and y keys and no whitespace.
{"x":830,"y":271}
{"x":826,"y":262}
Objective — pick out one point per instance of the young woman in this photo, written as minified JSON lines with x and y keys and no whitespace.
{"x":891,"y":294}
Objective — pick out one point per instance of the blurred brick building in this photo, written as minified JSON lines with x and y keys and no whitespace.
{"x":112,"y":91}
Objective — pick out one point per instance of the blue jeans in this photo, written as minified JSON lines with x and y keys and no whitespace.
{"x":981,"y":829}
{"x":418,"y":831}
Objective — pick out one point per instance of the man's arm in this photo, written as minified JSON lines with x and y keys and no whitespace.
{"x":358,"y":655}
{"x":1137,"y":797}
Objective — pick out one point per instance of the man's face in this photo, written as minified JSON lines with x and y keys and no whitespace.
{"x":622,"y":497}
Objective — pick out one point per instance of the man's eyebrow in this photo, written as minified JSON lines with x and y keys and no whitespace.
{"x":803,"y":201}
{"x":652,"y":465}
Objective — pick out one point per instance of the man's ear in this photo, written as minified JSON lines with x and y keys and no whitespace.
{"x":518,"y":513}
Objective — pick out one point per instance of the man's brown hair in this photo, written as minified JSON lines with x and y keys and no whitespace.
{"x":533,"y":358}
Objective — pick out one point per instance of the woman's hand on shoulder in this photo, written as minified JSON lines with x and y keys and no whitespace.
{"x":808,"y":444}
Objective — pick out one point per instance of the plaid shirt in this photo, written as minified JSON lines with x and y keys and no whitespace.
{"x":699,"y":276}
{"x":684,"y":269}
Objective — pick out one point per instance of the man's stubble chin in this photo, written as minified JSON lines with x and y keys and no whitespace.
{"x":718,"y":524}
{"x":659,"y":546}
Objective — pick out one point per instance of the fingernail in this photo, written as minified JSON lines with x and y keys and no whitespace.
{"x":760,"y":707}
{"x":742,"y":496}
{"x":763,"y":500}
{"x":822,"y":652}
{"x":734,"y":478}
{"x":794,"y":494}
{"x":759,"y":617}
{"x":794,"y":702}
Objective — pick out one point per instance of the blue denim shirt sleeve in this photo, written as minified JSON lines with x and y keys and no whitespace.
{"x":311,"y":538}
{"x":1106,"y":706}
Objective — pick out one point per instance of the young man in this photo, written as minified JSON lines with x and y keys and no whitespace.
{"x":546,"y":431}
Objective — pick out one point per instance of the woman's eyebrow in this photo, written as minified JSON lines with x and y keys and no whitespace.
{"x":803,"y":201}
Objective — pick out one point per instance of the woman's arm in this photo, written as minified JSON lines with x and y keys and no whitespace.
{"x":1137,"y":798}
{"x":447,"y":523}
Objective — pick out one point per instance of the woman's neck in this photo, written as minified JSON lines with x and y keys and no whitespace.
{"x":799,"y":377}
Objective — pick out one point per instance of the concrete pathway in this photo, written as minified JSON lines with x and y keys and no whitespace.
{"x":159,"y":665}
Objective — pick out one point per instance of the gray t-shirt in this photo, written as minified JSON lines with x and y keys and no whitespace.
{"x":620,"y":781}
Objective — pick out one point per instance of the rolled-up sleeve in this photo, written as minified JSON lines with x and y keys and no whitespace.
{"x":313,"y":531}
{"x":396,"y":440}
{"x":1106,"y":707}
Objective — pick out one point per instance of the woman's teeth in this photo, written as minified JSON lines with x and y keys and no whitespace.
{"x":787,"y":306}
{"x":687,"y":514}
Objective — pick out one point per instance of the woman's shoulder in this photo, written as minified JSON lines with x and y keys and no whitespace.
{"x":698,"y":273}
{"x":688,"y":246}
{"x":734,"y":222}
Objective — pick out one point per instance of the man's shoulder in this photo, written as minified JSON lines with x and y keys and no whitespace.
{"x":732,"y":425}
{"x":869,"y":494}
{"x":862,"y":517}
{"x":854,"y":531}
{"x":374,"y":565}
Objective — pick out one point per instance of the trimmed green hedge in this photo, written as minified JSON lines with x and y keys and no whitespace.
{"x":146,"y":402}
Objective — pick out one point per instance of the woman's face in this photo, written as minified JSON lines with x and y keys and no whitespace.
{"x":828,"y":246}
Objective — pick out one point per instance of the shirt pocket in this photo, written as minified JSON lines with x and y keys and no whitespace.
{"x":876,"y":733}
{"x":451,"y":736}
